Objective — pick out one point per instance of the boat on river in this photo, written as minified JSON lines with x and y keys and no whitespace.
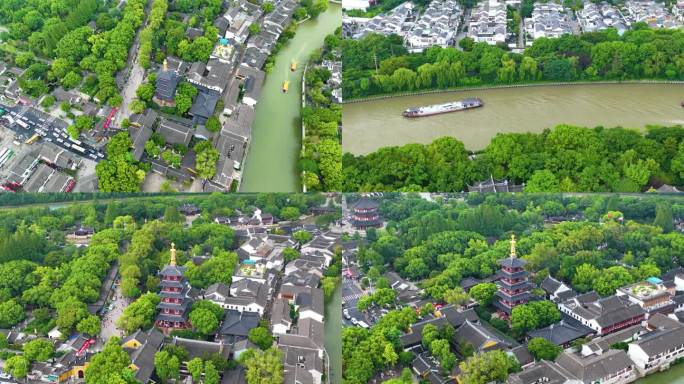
{"x":293,"y":66}
{"x":437,"y":109}
{"x":286,"y":86}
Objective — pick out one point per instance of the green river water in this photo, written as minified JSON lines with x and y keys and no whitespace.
{"x":271,"y":164}
{"x":674,"y":375}
{"x":333,"y":335}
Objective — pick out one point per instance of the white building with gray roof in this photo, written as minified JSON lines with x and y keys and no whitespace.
{"x":488,"y":22}
{"x":436,"y":26}
{"x":598,"y":17}
{"x":548,"y":20}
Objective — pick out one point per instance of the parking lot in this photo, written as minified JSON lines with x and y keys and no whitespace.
{"x":27,"y":122}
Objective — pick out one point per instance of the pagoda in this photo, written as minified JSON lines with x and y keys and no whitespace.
{"x":175,"y":302}
{"x":365,"y":214}
{"x":514,"y":287}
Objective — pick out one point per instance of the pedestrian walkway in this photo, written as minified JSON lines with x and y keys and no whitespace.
{"x":352,"y":297}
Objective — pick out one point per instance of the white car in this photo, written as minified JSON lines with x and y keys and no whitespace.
{"x":345,"y":312}
{"x":354,"y":321}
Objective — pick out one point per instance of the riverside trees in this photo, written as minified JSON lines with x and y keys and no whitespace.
{"x":563,"y":159}
{"x":640,"y":53}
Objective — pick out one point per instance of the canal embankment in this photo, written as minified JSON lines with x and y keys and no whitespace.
{"x":505,"y":86}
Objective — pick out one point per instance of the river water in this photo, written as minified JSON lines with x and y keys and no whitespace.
{"x":379,"y":123}
{"x":333,"y":335}
{"x":271,"y":164}
{"x":674,"y":375}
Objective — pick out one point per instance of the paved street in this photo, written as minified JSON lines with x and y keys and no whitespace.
{"x":350,"y":296}
{"x":135,"y":78}
{"x":118,"y":304}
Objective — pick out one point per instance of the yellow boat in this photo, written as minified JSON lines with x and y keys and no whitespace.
{"x":293,"y":66}
{"x":286,"y":85}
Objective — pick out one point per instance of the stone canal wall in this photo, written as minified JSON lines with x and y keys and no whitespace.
{"x":504,"y":86}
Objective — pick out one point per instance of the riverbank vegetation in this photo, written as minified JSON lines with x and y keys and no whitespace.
{"x":562,"y":159}
{"x":322,"y":147}
{"x":378,"y":64}
{"x":591,"y":242}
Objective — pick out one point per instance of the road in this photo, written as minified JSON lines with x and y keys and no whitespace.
{"x":118,"y":305}
{"x":27,"y":121}
{"x":135,"y":77}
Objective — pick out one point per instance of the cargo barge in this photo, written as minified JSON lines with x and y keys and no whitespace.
{"x":437,"y":109}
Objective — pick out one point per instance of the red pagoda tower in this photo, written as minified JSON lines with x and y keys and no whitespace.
{"x":366,"y":214}
{"x":175,"y":302}
{"x":514,"y":288}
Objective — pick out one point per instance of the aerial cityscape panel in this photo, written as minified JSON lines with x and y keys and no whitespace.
{"x":210,"y":288}
{"x":554,"y":96}
{"x":157,"y":95}
{"x":513,"y":288}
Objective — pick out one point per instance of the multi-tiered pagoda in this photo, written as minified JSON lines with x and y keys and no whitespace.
{"x":514,"y":288}
{"x":365,"y":214}
{"x":175,"y":302}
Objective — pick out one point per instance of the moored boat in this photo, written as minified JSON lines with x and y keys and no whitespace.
{"x":437,"y":109}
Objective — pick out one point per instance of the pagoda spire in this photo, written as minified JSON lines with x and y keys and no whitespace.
{"x":173,"y":255}
{"x":513,"y":254}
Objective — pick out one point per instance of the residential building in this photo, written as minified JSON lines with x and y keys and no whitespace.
{"x":281,"y":321}
{"x":141,"y":346}
{"x":397,"y":21}
{"x":562,"y":333}
{"x":236,"y":325}
{"x":543,"y":371}
{"x":603,"y":315}
{"x":651,"y":295}
{"x":657,"y":349}
{"x":650,"y":12}
{"x":548,"y":20}
{"x":555,"y":289}
{"x":598,"y":17}
{"x":437,"y":26}
{"x":488,"y":22}
{"x":611,"y":367}
{"x":479,"y":337}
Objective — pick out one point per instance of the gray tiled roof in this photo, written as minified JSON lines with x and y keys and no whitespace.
{"x":661,"y":340}
{"x":204,"y":104}
{"x":595,"y":367}
{"x":542,"y":372}
{"x":175,"y":132}
{"x":238,"y":323}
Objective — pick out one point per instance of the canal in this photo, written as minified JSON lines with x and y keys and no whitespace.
{"x":374,"y":124}
{"x":333,"y":335}
{"x":674,"y":375}
{"x":271,"y":164}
